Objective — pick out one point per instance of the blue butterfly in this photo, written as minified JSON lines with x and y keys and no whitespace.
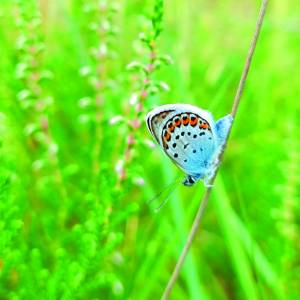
{"x":190,"y":137}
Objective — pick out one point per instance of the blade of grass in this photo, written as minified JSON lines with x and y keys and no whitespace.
{"x":237,"y":254}
{"x":236,"y":233}
{"x":261,"y":263}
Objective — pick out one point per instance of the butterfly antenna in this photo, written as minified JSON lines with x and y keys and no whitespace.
{"x":157,"y":209}
{"x":169,"y":186}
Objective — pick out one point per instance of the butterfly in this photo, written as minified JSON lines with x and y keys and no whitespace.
{"x":190,"y":137}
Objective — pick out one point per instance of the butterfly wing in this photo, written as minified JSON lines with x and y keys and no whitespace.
{"x":187,"y":134}
{"x":223,"y":126}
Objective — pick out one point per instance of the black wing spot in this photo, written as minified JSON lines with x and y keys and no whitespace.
{"x":174,"y":145}
{"x":202,"y":133}
{"x":194,"y":151}
{"x":182,"y":133}
{"x":209,"y":138}
{"x":189,"y":133}
{"x":185,"y":160}
{"x":184,"y":147}
{"x":175,"y":155}
{"x":177,"y":137}
{"x":194,"y":136}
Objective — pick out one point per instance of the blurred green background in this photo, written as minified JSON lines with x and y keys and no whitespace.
{"x":77,"y":166}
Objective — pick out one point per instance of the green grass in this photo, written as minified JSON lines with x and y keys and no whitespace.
{"x":71,"y":227}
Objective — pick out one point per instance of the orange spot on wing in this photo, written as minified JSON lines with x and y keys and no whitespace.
{"x":186,"y":121}
{"x":177,"y":122}
{"x":194,"y":122}
{"x":171,"y":126}
{"x":167,"y":137}
{"x":204,"y":126}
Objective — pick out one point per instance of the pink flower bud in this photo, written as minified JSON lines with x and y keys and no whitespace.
{"x":139,"y":107}
{"x":44,"y":123}
{"x":35,"y":76}
{"x":144,"y":94}
{"x":152,"y":55}
{"x":135,"y":124}
{"x":150,"y":67}
{"x":130,"y":140}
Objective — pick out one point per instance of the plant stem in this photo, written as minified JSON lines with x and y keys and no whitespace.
{"x":206,"y":196}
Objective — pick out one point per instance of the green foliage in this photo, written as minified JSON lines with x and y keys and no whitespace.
{"x":77,"y":165}
{"x":157,"y":18}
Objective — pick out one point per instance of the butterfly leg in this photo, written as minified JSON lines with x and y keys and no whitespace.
{"x":223,"y":126}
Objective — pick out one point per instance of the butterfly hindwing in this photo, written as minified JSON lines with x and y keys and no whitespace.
{"x":187,"y":134}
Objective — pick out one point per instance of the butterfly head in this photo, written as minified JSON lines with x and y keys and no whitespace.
{"x":189,"y":180}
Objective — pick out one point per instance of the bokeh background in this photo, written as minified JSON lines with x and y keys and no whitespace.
{"x":77,"y":165}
